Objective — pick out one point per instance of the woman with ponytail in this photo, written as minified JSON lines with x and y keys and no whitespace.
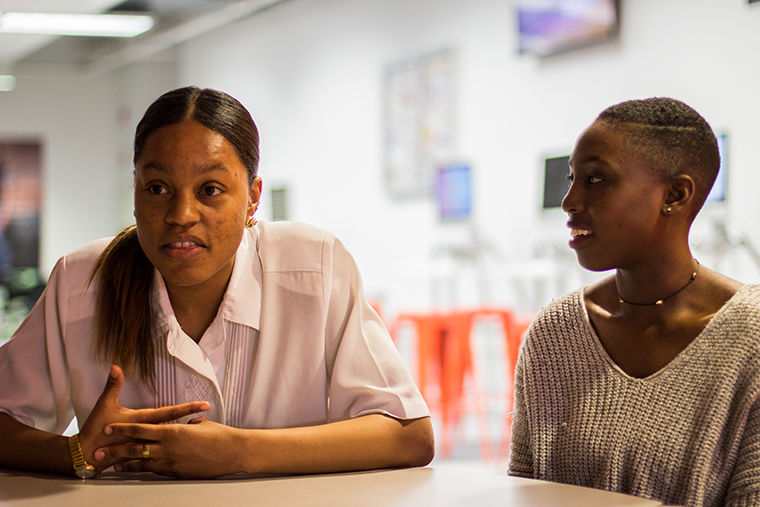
{"x":254,"y":338}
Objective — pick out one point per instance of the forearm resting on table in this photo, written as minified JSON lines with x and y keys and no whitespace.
{"x":367,"y":442}
{"x":24,"y":447}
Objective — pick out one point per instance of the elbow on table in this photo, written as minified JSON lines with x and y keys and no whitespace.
{"x":418,"y":443}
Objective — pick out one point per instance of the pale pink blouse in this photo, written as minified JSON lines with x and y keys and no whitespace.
{"x":294,"y":343}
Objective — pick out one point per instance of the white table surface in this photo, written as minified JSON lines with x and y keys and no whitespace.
{"x":411,"y":487}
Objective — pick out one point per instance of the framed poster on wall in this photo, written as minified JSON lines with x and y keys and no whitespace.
{"x":20,"y":197}
{"x":419,"y":122}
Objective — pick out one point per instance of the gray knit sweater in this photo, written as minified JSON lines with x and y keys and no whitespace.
{"x":688,"y":435}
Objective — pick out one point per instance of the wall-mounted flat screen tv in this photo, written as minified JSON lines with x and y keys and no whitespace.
{"x":547,"y":27}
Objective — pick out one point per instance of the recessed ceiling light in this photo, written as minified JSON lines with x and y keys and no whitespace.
{"x":91,"y":25}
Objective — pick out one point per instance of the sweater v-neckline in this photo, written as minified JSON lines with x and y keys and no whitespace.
{"x":673,"y":363}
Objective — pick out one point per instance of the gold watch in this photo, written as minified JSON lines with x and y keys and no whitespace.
{"x":83,"y":469}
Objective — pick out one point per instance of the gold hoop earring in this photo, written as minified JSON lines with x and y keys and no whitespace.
{"x":251,"y":220}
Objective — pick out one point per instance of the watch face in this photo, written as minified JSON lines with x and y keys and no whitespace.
{"x":86,"y":472}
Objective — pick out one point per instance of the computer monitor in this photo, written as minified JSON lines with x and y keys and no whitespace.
{"x":718,"y":192}
{"x":556,"y":182}
{"x":453,"y":192}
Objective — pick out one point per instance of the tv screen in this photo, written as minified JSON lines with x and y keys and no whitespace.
{"x":547,"y":27}
{"x":453,"y":192}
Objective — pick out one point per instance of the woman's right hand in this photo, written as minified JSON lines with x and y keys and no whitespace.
{"x":107,"y":410}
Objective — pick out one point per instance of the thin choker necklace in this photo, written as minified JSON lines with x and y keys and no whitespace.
{"x":660,"y":301}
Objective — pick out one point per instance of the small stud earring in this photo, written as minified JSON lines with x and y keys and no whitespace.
{"x":668,"y":210}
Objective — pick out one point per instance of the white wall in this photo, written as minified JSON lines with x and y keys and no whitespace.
{"x":86,"y":126}
{"x":77,"y":157}
{"x":311,"y":73}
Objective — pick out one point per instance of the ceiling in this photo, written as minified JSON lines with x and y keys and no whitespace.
{"x":176,"y":21}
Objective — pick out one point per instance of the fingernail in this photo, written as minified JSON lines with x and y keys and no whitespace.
{"x":206,"y":406}
{"x":99,"y":455}
{"x":108,"y":430}
{"x":118,"y":468}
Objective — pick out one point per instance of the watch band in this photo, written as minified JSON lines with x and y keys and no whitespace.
{"x":82,"y":469}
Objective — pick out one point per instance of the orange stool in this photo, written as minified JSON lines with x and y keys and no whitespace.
{"x":444,"y":365}
{"x":443,"y":362}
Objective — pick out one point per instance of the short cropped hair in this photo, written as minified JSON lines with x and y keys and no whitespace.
{"x":672,"y":136}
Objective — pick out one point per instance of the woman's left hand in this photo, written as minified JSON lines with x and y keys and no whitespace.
{"x":196,"y":450}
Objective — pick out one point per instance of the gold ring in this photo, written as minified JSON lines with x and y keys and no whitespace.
{"x":146,"y":451}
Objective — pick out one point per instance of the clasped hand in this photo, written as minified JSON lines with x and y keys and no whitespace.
{"x":134,"y":440}
{"x":194,"y":450}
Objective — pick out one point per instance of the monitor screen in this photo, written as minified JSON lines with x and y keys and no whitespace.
{"x":547,"y":27}
{"x":556,"y":183}
{"x":453,"y":192}
{"x":718,"y":192}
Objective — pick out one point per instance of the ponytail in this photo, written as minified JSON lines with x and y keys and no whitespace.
{"x":123,"y":307}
